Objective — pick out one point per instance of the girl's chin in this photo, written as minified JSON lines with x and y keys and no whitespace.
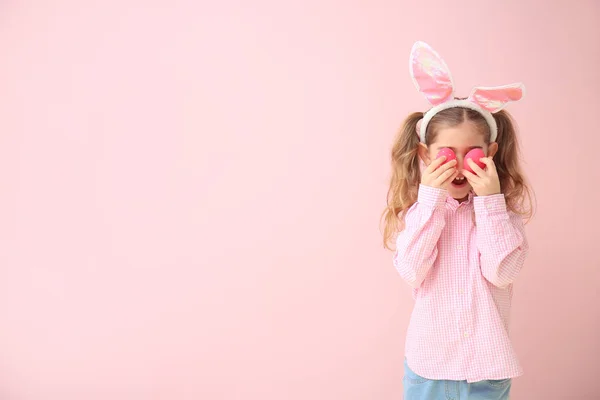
{"x":460,"y":191}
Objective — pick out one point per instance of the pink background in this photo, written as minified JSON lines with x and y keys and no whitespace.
{"x":191,"y":193}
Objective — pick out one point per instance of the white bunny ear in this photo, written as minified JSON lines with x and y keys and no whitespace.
{"x":494,"y":99}
{"x":430,"y":74}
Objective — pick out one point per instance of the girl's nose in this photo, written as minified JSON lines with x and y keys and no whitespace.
{"x":459,"y":162}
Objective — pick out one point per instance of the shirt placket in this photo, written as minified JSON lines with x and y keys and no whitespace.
{"x":463,"y":294}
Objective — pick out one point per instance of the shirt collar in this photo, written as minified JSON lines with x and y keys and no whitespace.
{"x":454,"y":204}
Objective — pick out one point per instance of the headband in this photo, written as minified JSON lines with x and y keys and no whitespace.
{"x":431,"y":76}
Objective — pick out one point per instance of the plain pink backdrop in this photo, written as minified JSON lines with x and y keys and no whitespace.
{"x":191,"y":193}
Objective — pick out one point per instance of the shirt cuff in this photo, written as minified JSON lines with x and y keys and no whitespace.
{"x":432,"y":197}
{"x":490,"y":205}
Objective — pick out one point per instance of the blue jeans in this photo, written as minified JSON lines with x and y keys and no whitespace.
{"x":419,"y":388}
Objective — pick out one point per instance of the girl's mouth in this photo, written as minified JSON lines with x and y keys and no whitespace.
{"x":459,"y":182}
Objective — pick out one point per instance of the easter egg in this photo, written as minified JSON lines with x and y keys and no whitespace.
{"x":448,"y":153}
{"x":475,"y":155}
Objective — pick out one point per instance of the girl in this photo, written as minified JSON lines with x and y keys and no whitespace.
{"x":461,"y":241}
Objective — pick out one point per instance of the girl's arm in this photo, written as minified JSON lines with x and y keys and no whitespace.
{"x":416,"y":245}
{"x":501,"y":240}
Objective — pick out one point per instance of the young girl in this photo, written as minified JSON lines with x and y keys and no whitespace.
{"x":460,"y":238}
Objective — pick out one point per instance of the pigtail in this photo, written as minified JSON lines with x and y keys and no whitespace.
{"x":518,"y":195}
{"x":405,"y":179}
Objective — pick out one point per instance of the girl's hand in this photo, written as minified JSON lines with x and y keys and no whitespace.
{"x":486,"y":182}
{"x":439,"y":176}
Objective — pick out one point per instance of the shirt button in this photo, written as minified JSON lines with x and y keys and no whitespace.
{"x":459,"y":247}
{"x":462,"y":291}
{"x":466,"y":334}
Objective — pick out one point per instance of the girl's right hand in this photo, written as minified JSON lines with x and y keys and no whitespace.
{"x":439,"y":176}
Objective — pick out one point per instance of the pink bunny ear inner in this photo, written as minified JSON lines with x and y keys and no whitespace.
{"x":494,"y":99}
{"x":430,"y":74}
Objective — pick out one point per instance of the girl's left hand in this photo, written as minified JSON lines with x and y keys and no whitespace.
{"x":486,"y":182}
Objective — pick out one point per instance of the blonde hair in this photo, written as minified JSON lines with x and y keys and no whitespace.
{"x":406,"y":174}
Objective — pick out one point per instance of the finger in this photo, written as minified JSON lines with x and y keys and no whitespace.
{"x":450,"y":179}
{"x":440,"y":180}
{"x":489,"y":163}
{"x":476,"y":168}
{"x":443,"y":168}
{"x":435,"y":164}
{"x":470,"y":176}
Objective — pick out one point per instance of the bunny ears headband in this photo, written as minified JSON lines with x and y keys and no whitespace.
{"x":432,"y":77}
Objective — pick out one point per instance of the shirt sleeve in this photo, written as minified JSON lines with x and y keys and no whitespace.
{"x":416,"y":245}
{"x":501,"y":240}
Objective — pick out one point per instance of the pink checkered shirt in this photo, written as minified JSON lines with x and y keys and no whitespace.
{"x":461,"y":260}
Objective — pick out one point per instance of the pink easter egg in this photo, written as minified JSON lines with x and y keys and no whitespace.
{"x":475,"y":155}
{"x":448,"y":153}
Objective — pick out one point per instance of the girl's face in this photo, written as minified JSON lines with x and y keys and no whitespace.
{"x":461,"y":139}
